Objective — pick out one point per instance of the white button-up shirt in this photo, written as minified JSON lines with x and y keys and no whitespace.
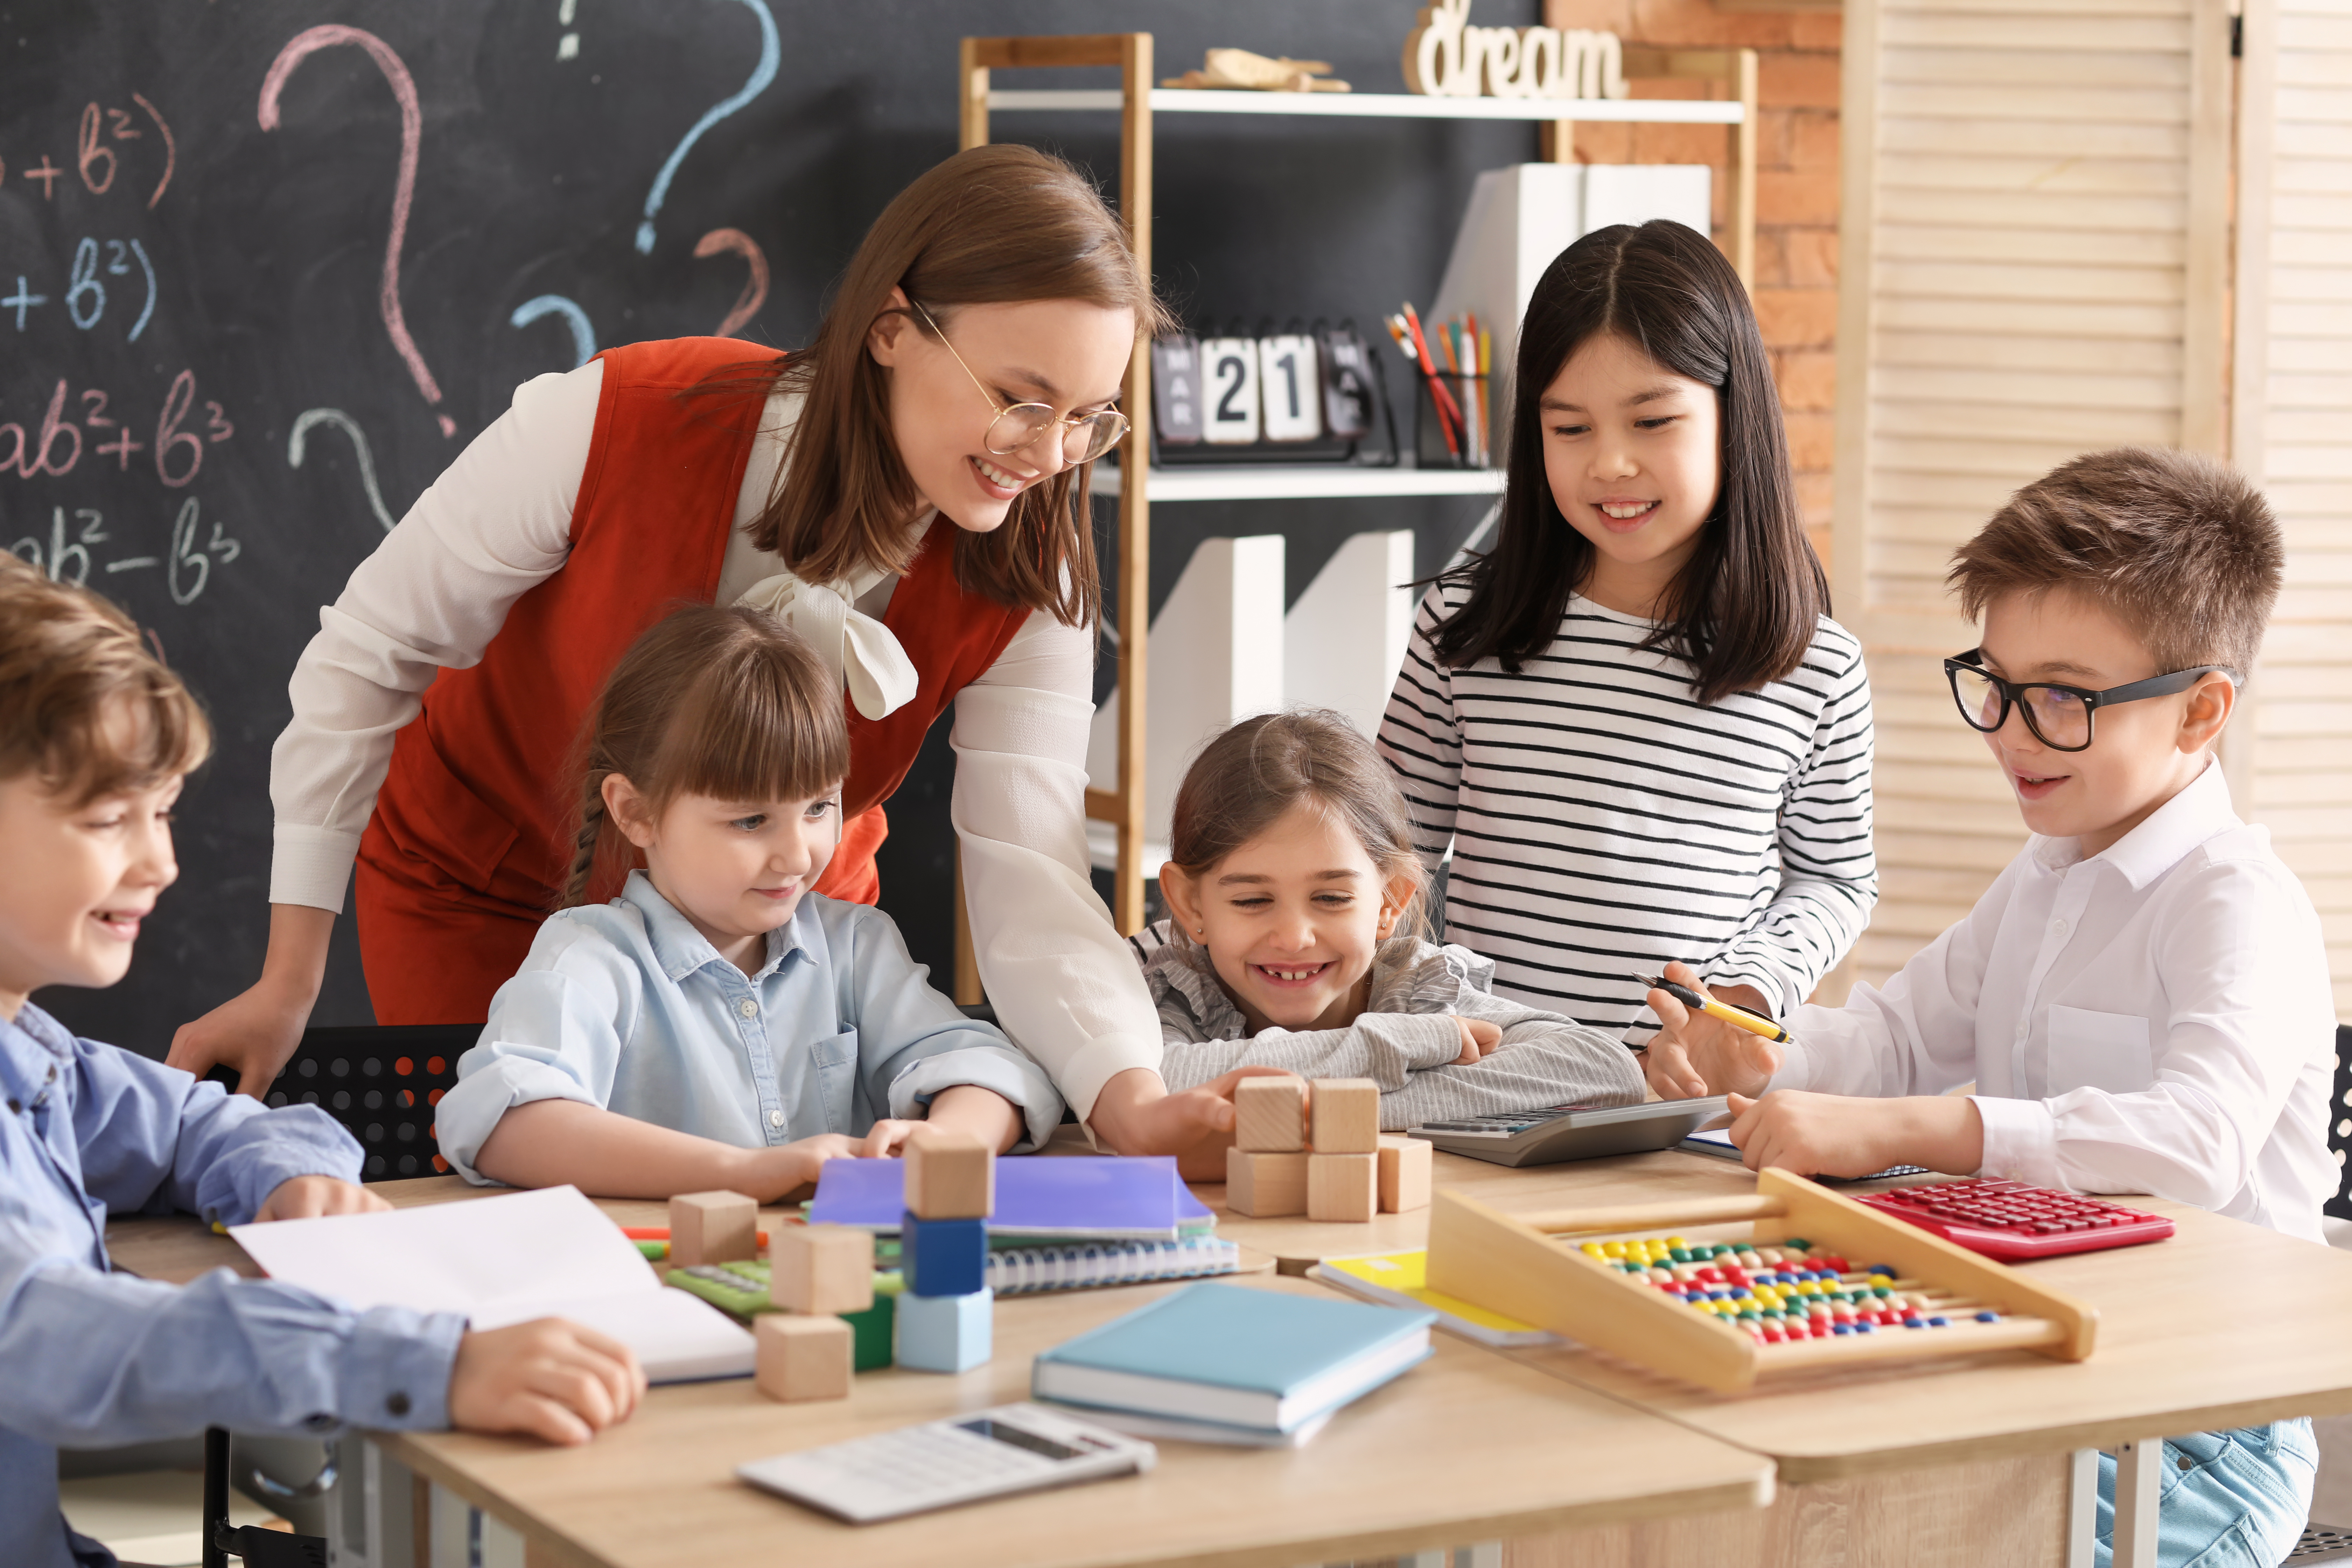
{"x":2155,"y":1018}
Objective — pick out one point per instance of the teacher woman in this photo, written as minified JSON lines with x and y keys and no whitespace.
{"x":910,"y":494}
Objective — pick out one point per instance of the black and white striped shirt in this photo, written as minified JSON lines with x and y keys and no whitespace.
{"x":1603,"y":822}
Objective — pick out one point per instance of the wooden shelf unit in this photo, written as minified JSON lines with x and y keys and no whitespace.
{"x":1731,"y":77}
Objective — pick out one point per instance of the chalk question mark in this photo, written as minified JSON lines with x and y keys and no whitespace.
{"x":412,"y":132}
{"x":771,"y":53}
{"x":583,"y":336}
{"x":719,"y":242}
{"x":349,"y":426}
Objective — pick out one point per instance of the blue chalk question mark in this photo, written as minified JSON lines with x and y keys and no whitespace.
{"x":771,"y":53}
{"x":583,"y":336}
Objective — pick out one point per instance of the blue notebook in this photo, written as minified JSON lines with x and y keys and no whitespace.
{"x":1072,"y":1198}
{"x":1236,"y":1356}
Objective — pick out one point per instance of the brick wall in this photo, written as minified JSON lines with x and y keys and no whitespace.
{"x":1796,"y":195}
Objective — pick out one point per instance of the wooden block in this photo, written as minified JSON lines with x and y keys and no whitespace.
{"x":1263,"y":1185}
{"x":712,"y":1227}
{"x":801,"y":1357}
{"x":1270,"y":1115}
{"x":945,"y":1333}
{"x":821,"y":1269}
{"x":1347,"y":1116}
{"x":1343,"y":1187}
{"x":1405,"y":1167}
{"x":950,"y":1175}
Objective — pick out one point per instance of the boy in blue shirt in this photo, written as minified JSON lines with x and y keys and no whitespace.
{"x":2141,"y":999}
{"x":96,"y":738}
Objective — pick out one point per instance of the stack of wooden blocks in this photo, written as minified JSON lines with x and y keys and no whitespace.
{"x":1320,"y":1152}
{"x":816,"y":1273}
{"x":945,"y":1312}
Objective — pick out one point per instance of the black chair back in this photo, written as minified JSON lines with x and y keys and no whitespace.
{"x":2339,"y":1126}
{"x":382,"y":1083}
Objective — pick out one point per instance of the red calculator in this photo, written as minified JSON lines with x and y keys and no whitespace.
{"x":2017,"y":1221}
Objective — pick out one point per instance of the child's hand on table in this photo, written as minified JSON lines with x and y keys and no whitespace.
{"x":1697,"y":1054}
{"x":1841,"y":1135}
{"x":1479,"y":1039}
{"x":795,"y":1165}
{"x":308,"y":1197}
{"x":1136,"y":1114}
{"x":550,"y":1378}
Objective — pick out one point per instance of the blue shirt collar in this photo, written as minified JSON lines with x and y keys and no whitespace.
{"x":681,"y":950}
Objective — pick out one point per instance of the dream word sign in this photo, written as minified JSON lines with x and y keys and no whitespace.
{"x":1444,"y":56}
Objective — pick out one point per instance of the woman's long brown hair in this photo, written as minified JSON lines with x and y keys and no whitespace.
{"x":996,"y":225}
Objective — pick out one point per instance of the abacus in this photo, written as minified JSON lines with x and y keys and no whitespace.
{"x":1818,"y":1281}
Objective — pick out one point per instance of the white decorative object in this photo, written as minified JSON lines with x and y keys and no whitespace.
{"x":1444,"y":56}
{"x":1344,"y":641}
{"x":1216,"y":659}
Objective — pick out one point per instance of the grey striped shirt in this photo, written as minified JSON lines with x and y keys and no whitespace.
{"x":1603,"y":822}
{"x":1405,"y":1041}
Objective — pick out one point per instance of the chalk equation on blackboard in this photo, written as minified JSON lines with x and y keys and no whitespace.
{"x":85,"y":295}
{"x":411,"y":136}
{"x":312,"y":417}
{"x":770,"y":56}
{"x":96,"y":159}
{"x":187,"y":565}
{"x":58,"y":443}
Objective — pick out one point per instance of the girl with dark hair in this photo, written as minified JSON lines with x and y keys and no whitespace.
{"x":1633,"y":720}
{"x":908,"y":493}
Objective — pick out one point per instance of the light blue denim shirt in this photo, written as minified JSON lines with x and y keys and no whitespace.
{"x":92,"y":1359}
{"x":626,"y":1006}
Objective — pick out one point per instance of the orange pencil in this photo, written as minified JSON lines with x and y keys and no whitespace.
{"x":1443,"y":400}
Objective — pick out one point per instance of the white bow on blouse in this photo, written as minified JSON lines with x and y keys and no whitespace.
{"x":859,"y":650}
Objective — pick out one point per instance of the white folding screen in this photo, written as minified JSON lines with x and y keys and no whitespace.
{"x":2291,"y":429}
{"x":2034,"y":264}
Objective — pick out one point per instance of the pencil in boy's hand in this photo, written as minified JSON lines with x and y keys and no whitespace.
{"x":1738,"y":1018}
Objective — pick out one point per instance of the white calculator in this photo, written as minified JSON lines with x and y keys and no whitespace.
{"x":965,"y":1459}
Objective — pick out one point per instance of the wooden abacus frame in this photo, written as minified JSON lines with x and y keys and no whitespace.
{"x":1515,"y":1264}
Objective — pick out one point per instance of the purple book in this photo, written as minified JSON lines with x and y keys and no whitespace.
{"x":1074,"y":1198}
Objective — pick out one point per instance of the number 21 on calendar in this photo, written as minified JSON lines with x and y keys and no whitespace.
{"x":1292,"y":391}
{"x":1229,"y":368}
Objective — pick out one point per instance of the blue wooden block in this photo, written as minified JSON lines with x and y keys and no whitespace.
{"x":943,"y":1257}
{"x":945,"y":1333}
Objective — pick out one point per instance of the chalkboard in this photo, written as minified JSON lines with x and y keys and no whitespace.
{"x":265,"y":268}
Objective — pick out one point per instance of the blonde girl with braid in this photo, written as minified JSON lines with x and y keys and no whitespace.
{"x":719,"y":1024}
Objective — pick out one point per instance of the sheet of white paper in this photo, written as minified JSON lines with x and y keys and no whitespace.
{"x":678,"y":1337}
{"x":502,"y":1261}
{"x":480,"y":1256}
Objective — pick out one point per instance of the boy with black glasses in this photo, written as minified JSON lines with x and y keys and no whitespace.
{"x":2142,"y":997}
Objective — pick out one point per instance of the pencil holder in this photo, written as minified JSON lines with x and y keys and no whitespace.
{"x":1450,"y":421}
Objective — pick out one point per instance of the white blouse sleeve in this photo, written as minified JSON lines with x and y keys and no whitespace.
{"x":496,"y":522}
{"x":1065,"y":988}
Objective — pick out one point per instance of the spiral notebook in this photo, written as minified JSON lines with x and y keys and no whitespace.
{"x":1025,"y":1270}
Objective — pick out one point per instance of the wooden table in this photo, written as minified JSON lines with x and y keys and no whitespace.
{"x":1467,"y":1446}
{"x":1961,"y":1462}
{"x":660,"y":1489}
